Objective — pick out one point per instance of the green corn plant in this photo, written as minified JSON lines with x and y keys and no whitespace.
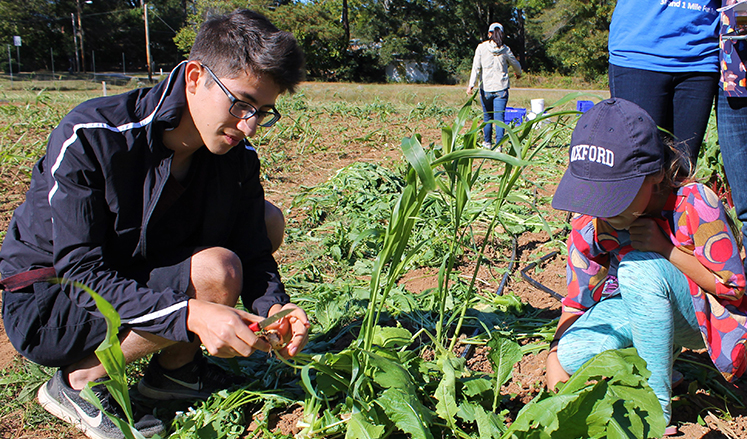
{"x":522,"y":144}
{"x":109,"y":352}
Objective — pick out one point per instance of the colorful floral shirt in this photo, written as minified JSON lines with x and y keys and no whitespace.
{"x":695,"y":221}
{"x":733,"y":48}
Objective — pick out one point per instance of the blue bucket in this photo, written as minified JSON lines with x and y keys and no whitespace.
{"x":514,"y":115}
{"x":584,"y":106}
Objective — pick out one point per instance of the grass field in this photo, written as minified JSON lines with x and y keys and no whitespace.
{"x":422,"y":324}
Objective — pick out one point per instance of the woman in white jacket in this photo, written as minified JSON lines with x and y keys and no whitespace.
{"x":490,"y":66}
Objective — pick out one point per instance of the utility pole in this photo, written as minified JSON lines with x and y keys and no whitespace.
{"x":80,"y":32}
{"x":10,"y":64}
{"x":75,"y":43}
{"x":345,"y":23}
{"x":147,"y":40}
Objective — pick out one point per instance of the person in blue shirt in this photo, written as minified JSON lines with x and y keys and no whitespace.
{"x":664,"y":57}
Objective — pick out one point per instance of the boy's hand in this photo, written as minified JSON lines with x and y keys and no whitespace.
{"x":224,"y":331}
{"x":293,"y":328}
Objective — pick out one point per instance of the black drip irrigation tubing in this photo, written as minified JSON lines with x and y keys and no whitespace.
{"x":469,"y":348}
{"x":502,"y":285}
{"x":534,"y":282}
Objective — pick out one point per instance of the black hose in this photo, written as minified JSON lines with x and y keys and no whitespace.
{"x":534,"y":282}
{"x":502,"y":285}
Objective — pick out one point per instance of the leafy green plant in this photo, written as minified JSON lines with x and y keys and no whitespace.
{"x":607,"y":397}
{"x":222,"y":415}
{"x":377,"y":369}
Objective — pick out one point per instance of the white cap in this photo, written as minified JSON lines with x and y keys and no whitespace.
{"x":495,"y":25}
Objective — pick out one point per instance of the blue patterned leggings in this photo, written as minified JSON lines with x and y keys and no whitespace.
{"x":653,"y":313}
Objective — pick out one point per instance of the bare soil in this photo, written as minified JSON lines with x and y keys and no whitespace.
{"x":341,"y":142}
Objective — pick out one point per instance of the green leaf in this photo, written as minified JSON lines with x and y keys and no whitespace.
{"x":415,"y":155}
{"x":490,"y":425}
{"x":588,"y":414}
{"x":504,"y":353}
{"x":476,"y":386}
{"x":467,"y":411}
{"x":332,"y":374}
{"x":625,"y":365}
{"x":391,"y":337}
{"x":479,"y":154}
{"x":620,"y":426}
{"x":607,"y":397}
{"x":407,"y":413}
{"x":109,"y":352}
{"x":306,"y":381}
{"x":446,"y":391}
{"x":540,"y":415}
{"x":328,"y":312}
{"x":446,"y":135}
{"x":359,"y":427}
{"x":390,"y":373}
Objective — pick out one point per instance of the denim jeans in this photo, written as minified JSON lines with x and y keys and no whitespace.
{"x":653,"y":312}
{"x":731,"y":114}
{"x":679,"y":102}
{"x":493,"y":108}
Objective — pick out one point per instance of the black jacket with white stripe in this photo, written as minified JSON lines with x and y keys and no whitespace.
{"x":88,"y":211}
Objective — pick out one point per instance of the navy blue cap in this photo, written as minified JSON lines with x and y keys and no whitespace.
{"x":614,"y":146}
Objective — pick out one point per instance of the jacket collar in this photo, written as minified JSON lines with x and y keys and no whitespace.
{"x":166,"y":100}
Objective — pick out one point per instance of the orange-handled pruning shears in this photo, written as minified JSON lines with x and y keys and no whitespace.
{"x":258,"y":326}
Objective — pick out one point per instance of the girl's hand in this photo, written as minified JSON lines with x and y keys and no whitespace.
{"x":646,"y":236}
{"x":555,"y":372}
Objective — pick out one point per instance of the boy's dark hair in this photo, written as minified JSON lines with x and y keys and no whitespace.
{"x":245,"y":41}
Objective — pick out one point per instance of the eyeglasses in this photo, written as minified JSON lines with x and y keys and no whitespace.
{"x":245,"y":110}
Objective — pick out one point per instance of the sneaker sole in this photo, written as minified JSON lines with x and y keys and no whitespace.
{"x":51,"y":405}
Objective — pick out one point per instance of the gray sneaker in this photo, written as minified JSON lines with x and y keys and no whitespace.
{"x":197,"y":379}
{"x":61,"y":400}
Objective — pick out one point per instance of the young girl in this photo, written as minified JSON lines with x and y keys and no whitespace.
{"x":652,"y":261}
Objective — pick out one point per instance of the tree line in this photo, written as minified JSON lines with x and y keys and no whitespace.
{"x":344,"y":40}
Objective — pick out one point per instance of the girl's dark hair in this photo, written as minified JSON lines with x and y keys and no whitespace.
{"x":245,"y":41}
{"x":678,"y":171}
{"x":497,"y":37}
{"x":677,"y":168}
